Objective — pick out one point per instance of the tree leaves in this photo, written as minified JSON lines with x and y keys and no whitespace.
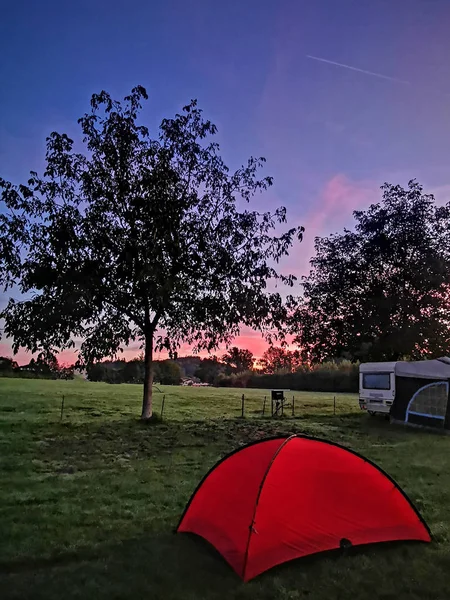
{"x":380,"y":292}
{"x":138,"y":234}
{"x":280,"y":360}
{"x":238,"y":359}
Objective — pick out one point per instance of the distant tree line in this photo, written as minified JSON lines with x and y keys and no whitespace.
{"x":332,"y":376}
{"x":172,"y":371}
{"x":43,"y":367}
{"x":277,"y":368}
{"x":166,"y":372}
{"x":283,"y":368}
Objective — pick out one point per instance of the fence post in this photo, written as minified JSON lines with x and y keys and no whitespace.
{"x":162,"y":406}
{"x":243,"y":400}
{"x":293,"y":406}
{"x":62,"y":407}
{"x":334,"y":405}
{"x":264,"y":406}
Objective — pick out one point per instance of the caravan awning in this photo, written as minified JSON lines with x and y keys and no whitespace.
{"x":424,"y":369}
{"x":438,"y":368}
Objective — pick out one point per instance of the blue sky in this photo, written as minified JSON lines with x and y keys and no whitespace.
{"x":331,"y":135}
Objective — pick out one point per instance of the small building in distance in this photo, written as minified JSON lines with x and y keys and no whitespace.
{"x":193,"y":382}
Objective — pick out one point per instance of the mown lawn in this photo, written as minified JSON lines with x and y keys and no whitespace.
{"x":88,"y":504}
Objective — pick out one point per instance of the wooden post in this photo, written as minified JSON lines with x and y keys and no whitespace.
{"x":293,"y":406}
{"x":271,"y":409}
{"x":62,"y":407}
{"x":162,"y":406}
{"x":334,"y":405}
{"x":243,"y":401}
{"x":282,"y":407}
{"x":264,"y":406}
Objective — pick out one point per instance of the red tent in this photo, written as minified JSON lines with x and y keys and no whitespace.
{"x":283,"y":498}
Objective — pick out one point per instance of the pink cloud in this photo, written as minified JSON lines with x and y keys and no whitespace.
{"x":331,"y":211}
{"x":5,"y":350}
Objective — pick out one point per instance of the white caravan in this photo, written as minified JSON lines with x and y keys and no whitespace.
{"x":377,"y":387}
{"x":377,"y":380}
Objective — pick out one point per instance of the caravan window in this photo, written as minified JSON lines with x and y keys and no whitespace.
{"x":376,"y":381}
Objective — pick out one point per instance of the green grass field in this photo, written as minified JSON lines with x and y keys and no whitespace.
{"x":88,"y":504}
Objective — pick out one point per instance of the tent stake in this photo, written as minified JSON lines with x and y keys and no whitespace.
{"x":293,"y":406}
{"x":243,"y":400}
{"x":264,"y":406}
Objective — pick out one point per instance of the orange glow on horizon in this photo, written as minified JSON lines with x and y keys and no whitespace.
{"x":248,"y":340}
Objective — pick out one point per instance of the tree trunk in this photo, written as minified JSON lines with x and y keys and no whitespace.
{"x":147,"y":404}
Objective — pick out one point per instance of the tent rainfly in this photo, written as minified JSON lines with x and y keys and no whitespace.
{"x":283,"y":498}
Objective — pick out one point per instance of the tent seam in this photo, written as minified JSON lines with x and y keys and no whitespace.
{"x":261,"y":486}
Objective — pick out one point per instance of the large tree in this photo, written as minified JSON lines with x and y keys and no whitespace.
{"x":138,"y":238}
{"x":238,"y":359}
{"x":381,"y":290}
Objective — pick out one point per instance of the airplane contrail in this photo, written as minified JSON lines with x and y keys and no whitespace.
{"x":336,"y":64}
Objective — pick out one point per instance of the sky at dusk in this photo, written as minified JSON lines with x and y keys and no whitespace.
{"x":331,"y":134}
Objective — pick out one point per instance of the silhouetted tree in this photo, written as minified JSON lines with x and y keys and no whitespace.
{"x":66,"y":372}
{"x":170,"y":372}
{"x":46,"y":364}
{"x":7,"y":364}
{"x":134,"y":371}
{"x":109,"y":371}
{"x":381,"y":292}
{"x":139,"y":236}
{"x":189,"y":364}
{"x":238,"y":360}
{"x":96,"y":371}
{"x":209,"y":369}
{"x":275,"y":360}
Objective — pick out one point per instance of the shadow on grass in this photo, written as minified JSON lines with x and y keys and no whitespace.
{"x":155,"y":566}
{"x":163,"y":566}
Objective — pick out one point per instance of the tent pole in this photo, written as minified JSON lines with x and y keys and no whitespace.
{"x":251,"y":528}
